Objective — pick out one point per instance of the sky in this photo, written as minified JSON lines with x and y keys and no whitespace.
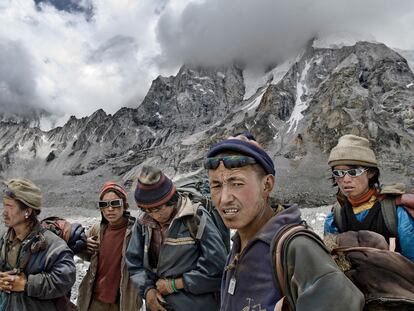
{"x":72,"y":57}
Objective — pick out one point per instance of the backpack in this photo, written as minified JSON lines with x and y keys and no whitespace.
{"x":72,"y":233}
{"x":198,"y":192}
{"x":389,"y":197}
{"x":386,"y":278}
{"x":281,"y":243}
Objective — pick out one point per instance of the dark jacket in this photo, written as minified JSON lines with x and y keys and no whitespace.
{"x":200,"y":263}
{"x":315,"y":280}
{"x":50,"y":271}
{"x":129,"y":298}
{"x":405,"y":227}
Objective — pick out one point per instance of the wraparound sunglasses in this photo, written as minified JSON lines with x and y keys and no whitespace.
{"x":353,"y":172}
{"x":228,"y":161}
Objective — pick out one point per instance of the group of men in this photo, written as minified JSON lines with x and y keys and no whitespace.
{"x":174,"y":256}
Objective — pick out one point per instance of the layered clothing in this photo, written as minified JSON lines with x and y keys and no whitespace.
{"x":199,"y":262}
{"x":315,"y":281}
{"x":129,"y":298}
{"x":48,"y":264}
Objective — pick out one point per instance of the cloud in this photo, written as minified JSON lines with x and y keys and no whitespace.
{"x":80,"y":64}
{"x":73,"y":57}
{"x":17,"y":79}
{"x":267,"y":31}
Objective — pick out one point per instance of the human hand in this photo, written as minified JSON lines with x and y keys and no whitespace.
{"x":164,"y":286}
{"x":12,"y":282}
{"x":92,"y":244}
{"x":154,"y":299}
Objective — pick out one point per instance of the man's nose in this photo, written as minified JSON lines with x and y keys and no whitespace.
{"x":226,"y":194}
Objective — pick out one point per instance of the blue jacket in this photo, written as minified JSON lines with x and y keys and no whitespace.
{"x":50,"y":271}
{"x":405,"y":228}
{"x":316,"y":283}
{"x":200,"y":263}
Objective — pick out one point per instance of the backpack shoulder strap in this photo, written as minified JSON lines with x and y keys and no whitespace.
{"x":197,"y":223}
{"x":337,"y":213}
{"x":280,"y":245}
{"x":389,"y":213}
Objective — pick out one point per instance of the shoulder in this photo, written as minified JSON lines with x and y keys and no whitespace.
{"x":404,"y":216}
{"x":95,"y":229}
{"x":53,"y":240}
{"x":307,"y":247}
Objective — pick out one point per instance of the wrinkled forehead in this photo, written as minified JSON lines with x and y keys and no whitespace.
{"x":222,"y":173}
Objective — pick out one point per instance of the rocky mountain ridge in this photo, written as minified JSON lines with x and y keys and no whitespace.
{"x":298,"y":113}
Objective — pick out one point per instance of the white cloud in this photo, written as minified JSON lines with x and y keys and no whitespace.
{"x":267,"y":31}
{"x":79,"y":65}
{"x":71,"y":65}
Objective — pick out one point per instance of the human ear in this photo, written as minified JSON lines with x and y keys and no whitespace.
{"x":268,"y":184}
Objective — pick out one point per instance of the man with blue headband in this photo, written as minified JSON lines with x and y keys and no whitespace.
{"x":242,"y":176}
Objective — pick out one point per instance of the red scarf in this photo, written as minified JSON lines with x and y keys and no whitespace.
{"x":363,"y":198}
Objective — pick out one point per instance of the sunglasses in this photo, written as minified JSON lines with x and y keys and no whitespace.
{"x":113,"y":203}
{"x":151,"y":210}
{"x":228,"y":161}
{"x":353,"y":172}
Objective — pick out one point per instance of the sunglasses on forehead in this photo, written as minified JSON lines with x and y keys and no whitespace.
{"x":232,"y":161}
{"x":353,"y":172}
{"x":113,"y":203}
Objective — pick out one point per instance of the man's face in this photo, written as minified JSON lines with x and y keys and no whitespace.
{"x":161,"y":214}
{"x":12,"y":214}
{"x":112,"y":214}
{"x":239,"y":194}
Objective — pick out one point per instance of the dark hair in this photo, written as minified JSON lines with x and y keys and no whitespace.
{"x":32,"y":219}
{"x":373,"y":182}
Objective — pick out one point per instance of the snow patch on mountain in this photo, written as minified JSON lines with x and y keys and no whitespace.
{"x":255,"y":78}
{"x":300,"y":105}
{"x":255,"y":102}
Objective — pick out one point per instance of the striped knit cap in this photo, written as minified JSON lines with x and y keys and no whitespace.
{"x":153,"y":188}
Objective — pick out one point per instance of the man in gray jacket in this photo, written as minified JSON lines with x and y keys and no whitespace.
{"x":173,"y":265}
{"x":37,"y":267}
{"x":241,"y":176}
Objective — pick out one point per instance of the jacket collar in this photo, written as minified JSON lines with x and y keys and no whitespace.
{"x":290,"y":214}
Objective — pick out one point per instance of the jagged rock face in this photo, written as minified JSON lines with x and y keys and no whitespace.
{"x":367,"y":96}
{"x":366,"y":89}
{"x":206,"y":95}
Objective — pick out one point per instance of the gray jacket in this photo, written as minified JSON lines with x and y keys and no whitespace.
{"x":50,"y":271}
{"x":200,"y":263}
